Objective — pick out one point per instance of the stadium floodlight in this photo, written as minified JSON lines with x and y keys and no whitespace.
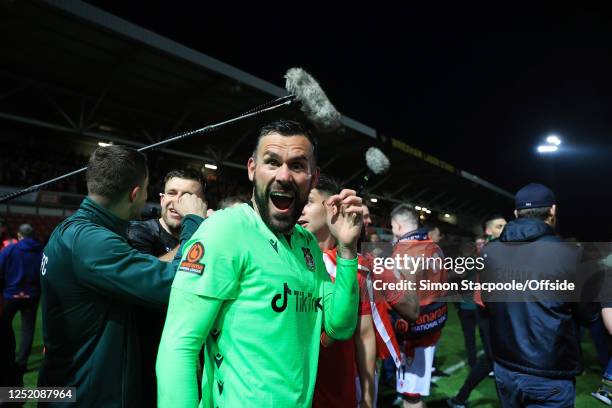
{"x":553,"y":140}
{"x":428,"y":211}
{"x":374,"y":200}
{"x":105,"y":144}
{"x":547,"y":148}
{"x":418,"y":208}
{"x":447,"y":215}
{"x":211,"y":166}
{"x":423,"y":209}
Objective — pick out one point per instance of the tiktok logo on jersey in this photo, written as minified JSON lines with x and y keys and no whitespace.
{"x":304,"y":302}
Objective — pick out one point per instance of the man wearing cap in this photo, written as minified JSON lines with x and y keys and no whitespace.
{"x":20,"y":284}
{"x":535,"y":345}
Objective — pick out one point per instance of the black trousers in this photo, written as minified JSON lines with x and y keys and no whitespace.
{"x":8,"y":368}
{"x":484,"y":365}
{"x":28,"y":308}
{"x":467,"y":318}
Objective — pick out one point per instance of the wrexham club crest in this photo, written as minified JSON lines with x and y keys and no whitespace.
{"x":310,"y":263}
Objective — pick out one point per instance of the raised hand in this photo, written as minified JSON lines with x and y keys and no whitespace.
{"x":345,"y":219}
{"x":189,"y":203}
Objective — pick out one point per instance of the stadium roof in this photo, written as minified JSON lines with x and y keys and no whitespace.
{"x":75,"y":68}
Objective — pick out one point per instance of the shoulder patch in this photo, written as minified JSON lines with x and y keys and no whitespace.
{"x":196,"y":252}
{"x":192,"y":263}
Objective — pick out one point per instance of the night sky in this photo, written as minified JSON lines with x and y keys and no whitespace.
{"x":479,"y":88}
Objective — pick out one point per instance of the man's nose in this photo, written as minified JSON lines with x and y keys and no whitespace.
{"x":283,"y":174}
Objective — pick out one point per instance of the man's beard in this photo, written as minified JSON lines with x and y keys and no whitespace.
{"x":281,"y":223}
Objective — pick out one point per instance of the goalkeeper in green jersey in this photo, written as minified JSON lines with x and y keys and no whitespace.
{"x":253,"y":285}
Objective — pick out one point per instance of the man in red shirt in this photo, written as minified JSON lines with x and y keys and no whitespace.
{"x":341,"y":361}
{"x":421,"y":336}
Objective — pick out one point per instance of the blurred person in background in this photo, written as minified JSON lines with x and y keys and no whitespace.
{"x":604,"y":394}
{"x":483,"y":366}
{"x":493,"y":226}
{"x":434,"y":233}
{"x":413,"y":380}
{"x":20,"y":284}
{"x":5,"y":236}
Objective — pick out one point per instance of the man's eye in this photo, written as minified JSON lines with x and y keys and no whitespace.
{"x":272,"y":162}
{"x":297,"y":167}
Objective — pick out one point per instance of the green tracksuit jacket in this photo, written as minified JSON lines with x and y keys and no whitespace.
{"x":90,"y":279}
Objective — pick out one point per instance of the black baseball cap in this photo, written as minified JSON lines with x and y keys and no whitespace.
{"x":534,"y":195}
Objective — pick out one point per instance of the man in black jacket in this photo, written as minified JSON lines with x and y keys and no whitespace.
{"x":534,"y":340}
{"x":160,"y":238}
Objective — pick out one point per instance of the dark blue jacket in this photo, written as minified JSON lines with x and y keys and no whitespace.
{"x":536,"y":337}
{"x":20,"y":268}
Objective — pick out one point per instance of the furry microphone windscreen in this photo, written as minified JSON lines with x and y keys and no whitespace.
{"x":377,"y":161}
{"x":314,"y":102}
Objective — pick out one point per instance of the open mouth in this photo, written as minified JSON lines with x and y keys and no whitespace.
{"x":282,"y":200}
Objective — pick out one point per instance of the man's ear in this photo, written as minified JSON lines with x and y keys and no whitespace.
{"x":315,"y":178}
{"x":515,"y":214}
{"x":553,"y":210}
{"x":134,"y":193}
{"x":251,"y":168}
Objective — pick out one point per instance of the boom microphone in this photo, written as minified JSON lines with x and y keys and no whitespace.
{"x":378,"y":164}
{"x":302,"y":89}
{"x":314,"y":103}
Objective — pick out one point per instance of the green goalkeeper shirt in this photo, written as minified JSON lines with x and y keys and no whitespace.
{"x":274,"y":298}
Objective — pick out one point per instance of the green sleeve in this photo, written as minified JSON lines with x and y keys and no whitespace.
{"x":189,"y":320}
{"x":107,"y":264}
{"x":214,"y":269}
{"x":341,"y":300}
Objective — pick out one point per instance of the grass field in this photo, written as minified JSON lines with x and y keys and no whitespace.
{"x":450,"y":355}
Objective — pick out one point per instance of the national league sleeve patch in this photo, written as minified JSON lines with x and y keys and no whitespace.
{"x":192,"y":262}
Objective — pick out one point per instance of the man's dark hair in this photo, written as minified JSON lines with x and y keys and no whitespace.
{"x":488,"y":220}
{"x":288,"y":128}
{"x":541,"y":213}
{"x":187,"y":174}
{"x":114,"y":170}
{"x":327,"y":185}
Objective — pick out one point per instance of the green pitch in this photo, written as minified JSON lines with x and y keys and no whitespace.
{"x":449,"y":357}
